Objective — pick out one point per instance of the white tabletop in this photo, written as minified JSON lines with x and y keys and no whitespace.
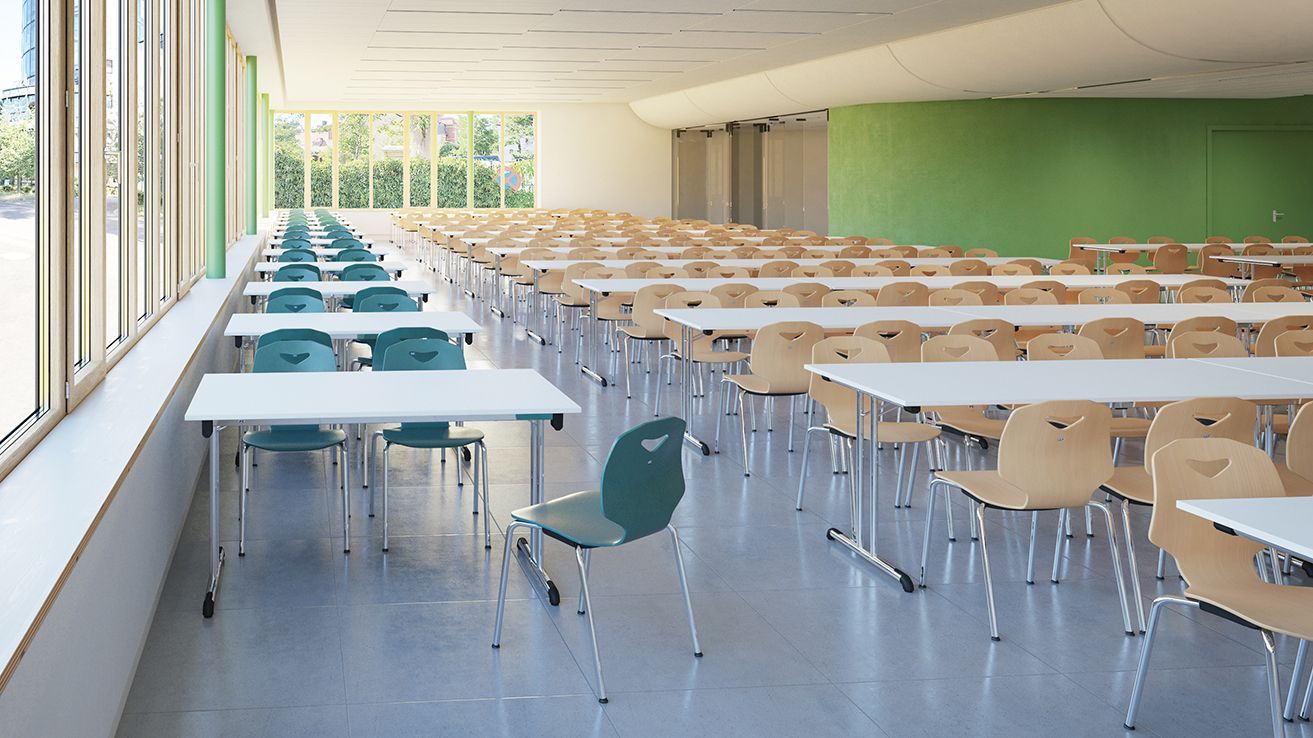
{"x":317,"y":230}
{"x":875,"y":283}
{"x":1024,"y":382}
{"x":1121,"y":248}
{"x":337,"y":288}
{"x":320,"y":252}
{"x":561,"y":264}
{"x":1294,"y":368}
{"x":331,"y":266}
{"x":317,"y":241}
{"x":349,"y":325}
{"x":376,"y":397}
{"x":1270,"y":259}
{"x":1033,"y":315}
{"x":1285,"y":523}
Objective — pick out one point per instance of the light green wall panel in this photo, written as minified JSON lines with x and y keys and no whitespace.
{"x":1025,"y":176}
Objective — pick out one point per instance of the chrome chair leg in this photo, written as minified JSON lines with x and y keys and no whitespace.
{"x":792,"y":417}
{"x":583,"y":574}
{"x":806,"y":452}
{"x":387,"y":456}
{"x":487,"y":507}
{"x":1155,"y":612}
{"x":592,"y":630}
{"x":683,"y":584}
{"x":929,"y":524}
{"x":1116,"y":565}
{"x":1273,"y":682}
{"x":344,"y":466}
{"x":1064,"y":516}
{"x":511,"y":528}
{"x":1292,"y":694}
{"x":1137,"y":595}
{"x":898,"y":480}
{"x":1308,"y":698}
{"x":989,"y":577}
{"x":474,"y":475}
{"x":911,"y":472}
{"x":1030,"y":558}
{"x":743,"y":432}
{"x":246,"y":488}
{"x":1162,"y":564}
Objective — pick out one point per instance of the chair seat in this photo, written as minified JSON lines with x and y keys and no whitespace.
{"x":971,"y":422}
{"x":1296,"y":485}
{"x":435,"y":435}
{"x":575,"y":518}
{"x":1129,"y":427}
{"x":891,"y":432}
{"x":1276,"y":607}
{"x":705,"y":353}
{"x":988,"y":487}
{"x":757,"y":385}
{"x":1132,"y":483}
{"x":640,"y":333}
{"x":1155,"y":351}
{"x":297,"y":438}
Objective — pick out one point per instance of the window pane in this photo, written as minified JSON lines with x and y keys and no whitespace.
{"x":77,"y":236}
{"x":141,"y":119}
{"x":20,"y":396}
{"x":289,"y":160}
{"x":388,"y":139}
{"x":518,"y":176}
{"x":113,"y":124}
{"x":420,"y":142}
{"x":353,"y":164}
{"x":163,"y":145}
{"x":321,"y":161}
{"x":487,"y":161}
{"x":453,"y":162}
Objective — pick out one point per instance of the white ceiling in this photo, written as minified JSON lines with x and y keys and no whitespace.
{"x":692,"y":62}
{"x":363,"y":52}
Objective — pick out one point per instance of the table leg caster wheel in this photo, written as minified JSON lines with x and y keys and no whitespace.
{"x":553,"y":594}
{"x":829,"y":534}
{"x":207,"y":607}
{"x":906,"y":582}
{"x":465,"y":454}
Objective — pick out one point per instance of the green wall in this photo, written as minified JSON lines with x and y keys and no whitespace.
{"x":1025,"y":176}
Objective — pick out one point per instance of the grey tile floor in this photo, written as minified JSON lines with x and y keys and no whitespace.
{"x":800,"y":637}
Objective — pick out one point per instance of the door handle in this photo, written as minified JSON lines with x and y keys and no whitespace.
{"x":1277,"y":216}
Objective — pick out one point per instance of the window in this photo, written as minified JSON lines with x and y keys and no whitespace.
{"x":289,"y":160}
{"x":111,"y":243}
{"x":356,"y":160}
{"x":386,"y":182}
{"x":419,"y":141}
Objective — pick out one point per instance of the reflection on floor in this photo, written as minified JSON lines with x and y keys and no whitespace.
{"x":800,"y":637}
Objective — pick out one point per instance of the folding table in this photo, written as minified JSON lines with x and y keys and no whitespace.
{"x":351,"y":398}
{"x":257,"y":290}
{"x":340,"y":326}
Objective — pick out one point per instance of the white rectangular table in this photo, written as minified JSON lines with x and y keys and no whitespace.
{"x":1248,"y":263}
{"x":1027,"y":382}
{"x":323,"y":253}
{"x":318,"y":241}
{"x":1284,"y":523}
{"x":345,"y":326}
{"x":358,"y":398}
{"x":562,"y":264}
{"x":331,"y":267}
{"x":337,"y":288}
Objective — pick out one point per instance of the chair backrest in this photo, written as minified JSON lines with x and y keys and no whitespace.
{"x":364,"y":272}
{"x":1057,"y":452}
{"x":1209,"y":417}
{"x":968,"y":268}
{"x":779,"y":352}
{"x":903,"y":294}
{"x":809,"y":294}
{"x":812,"y":271}
{"x":1205,"y":345}
{"x":771,"y":298}
{"x":666,"y":272}
{"x":648,"y":299}
{"x":345,"y":242}
{"x":930,"y":270}
{"x":578,"y":270}
{"x":871,"y":270}
{"x":1276,"y":293}
{"x":732,"y":295}
{"x":293,"y":242}
{"x":1203,"y":469}
{"x":1103,"y":296}
{"x":1029,"y":296}
{"x":1213,"y":268}
{"x":777,"y":268}
{"x":422,"y":354}
{"x":1171,"y":258}
{"x":1118,"y":338}
{"x":1001,"y":334}
{"x":297,"y":255}
{"x":384,"y":299}
{"x":1033,"y":265}
{"x":855,"y":251}
{"x":294,"y":356}
{"x":297,"y":272}
{"x":901,"y":338}
{"x":389,"y":338}
{"x":986,"y":291}
{"x":643,"y":477}
{"x":1257,"y":284}
{"x":1062,"y":346}
{"x":1292,"y":343}
{"x":980,"y":253}
{"x":1126,"y":268}
{"x":1010,"y":270}
{"x":959,"y":347}
{"x":934,"y":253}
{"x":897,"y":267}
{"x":1273,"y":329}
{"x":1141,"y":291}
{"x":1069,"y":267}
{"x":1203,"y":295}
{"x":952,"y":297}
{"x":848,"y":298}
{"x":1213,"y":323}
{"x":355,"y":255}
{"x":839,"y":401}
{"x":293,"y":334}
{"x":294,"y":300}
{"x":682,"y":301}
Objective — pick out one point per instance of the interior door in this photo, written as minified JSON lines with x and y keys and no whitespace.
{"x":1260,"y":183}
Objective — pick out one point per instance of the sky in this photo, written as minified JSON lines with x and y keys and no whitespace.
{"x":11,"y":42}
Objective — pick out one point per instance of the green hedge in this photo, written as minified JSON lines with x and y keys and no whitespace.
{"x":419,"y":183}
{"x":353,"y":184}
{"x":321,"y":183}
{"x":452,"y":182}
{"x":289,"y":177}
{"x":388,"y":183}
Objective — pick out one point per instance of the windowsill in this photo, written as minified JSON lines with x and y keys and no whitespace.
{"x":53,"y":500}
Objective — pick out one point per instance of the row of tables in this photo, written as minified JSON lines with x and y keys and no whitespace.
{"x":236,"y":400}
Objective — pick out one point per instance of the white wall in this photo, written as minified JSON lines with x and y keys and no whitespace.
{"x":602,"y":156}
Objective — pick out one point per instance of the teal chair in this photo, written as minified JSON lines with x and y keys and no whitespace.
{"x":361,"y":272}
{"x":642,"y":483}
{"x":295,"y":300}
{"x":354,"y":254}
{"x":295,"y":356}
{"x":297,"y":255}
{"x":430,"y":354}
{"x":344,"y":242}
{"x":294,"y":243}
{"x":294,"y":334}
{"x":297,"y":230}
{"x":384,"y":299}
{"x":382,"y":342}
{"x":298,"y":272}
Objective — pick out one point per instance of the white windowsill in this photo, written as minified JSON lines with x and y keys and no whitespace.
{"x":51,"y":503}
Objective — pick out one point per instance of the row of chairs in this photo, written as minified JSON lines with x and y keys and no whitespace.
{"x":383,"y":298}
